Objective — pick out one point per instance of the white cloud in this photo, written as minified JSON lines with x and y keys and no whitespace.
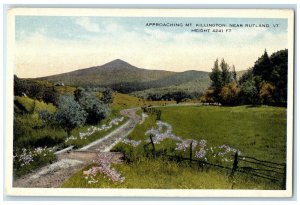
{"x":86,"y":23}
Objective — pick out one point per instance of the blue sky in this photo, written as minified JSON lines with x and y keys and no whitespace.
{"x":54,"y":44}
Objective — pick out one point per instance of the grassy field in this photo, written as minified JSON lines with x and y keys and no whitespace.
{"x":255,"y":131}
{"x":162,"y":174}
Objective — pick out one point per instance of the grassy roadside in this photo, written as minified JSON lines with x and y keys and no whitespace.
{"x":162,"y":174}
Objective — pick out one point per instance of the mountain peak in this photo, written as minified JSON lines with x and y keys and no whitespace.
{"x":118,"y":64}
{"x":118,"y":61}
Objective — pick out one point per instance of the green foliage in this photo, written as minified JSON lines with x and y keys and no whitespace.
{"x":46,"y":116}
{"x":249,"y":92}
{"x":263,"y":67}
{"x":41,"y":91}
{"x":265,"y":83}
{"x":226,"y":74}
{"x":96,"y":110}
{"x":220,"y":77}
{"x":160,"y":173}
{"x":267,"y":80}
{"x":69,"y":114}
{"x":31,"y":131}
{"x":216,"y":78}
{"x":178,"y":96}
{"x":26,"y":160}
{"x":107,"y":96}
{"x":79,"y":93}
{"x":278,"y":77}
{"x":25,"y":104}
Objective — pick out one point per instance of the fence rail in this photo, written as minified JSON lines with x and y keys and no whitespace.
{"x":275,"y":172}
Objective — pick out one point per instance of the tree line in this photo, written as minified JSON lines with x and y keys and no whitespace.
{"x":264,"y":83}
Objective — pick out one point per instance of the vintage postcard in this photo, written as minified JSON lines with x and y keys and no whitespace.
{"x":149,"y":102}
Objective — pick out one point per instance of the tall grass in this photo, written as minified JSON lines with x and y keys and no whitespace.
{"x":164,"y":174}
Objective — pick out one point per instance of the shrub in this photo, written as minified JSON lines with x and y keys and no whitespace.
{"x":96,"y":110}
{"x":69,"y":114}
{"x":26,"y":160}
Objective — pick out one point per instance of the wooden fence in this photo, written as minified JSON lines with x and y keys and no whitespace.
{"x":275,"y":172}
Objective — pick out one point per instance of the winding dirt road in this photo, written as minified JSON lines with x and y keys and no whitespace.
{"x":68,"y":163}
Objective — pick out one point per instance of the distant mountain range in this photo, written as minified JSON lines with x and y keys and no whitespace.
{"x":126,"y":78}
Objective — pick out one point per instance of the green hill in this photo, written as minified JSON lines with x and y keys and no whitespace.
{"x":114,"y":72}
{"x":126,"y":78}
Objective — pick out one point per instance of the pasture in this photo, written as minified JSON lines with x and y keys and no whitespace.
{"x":258,"y":132}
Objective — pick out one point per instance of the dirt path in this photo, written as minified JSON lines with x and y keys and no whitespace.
{"x":68,"y":163}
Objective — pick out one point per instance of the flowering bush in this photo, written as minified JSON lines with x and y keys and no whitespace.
{"x":26,"y":160}
{"x":159,"y":133}
{"x":93,"y":129}
{"x":131,"y":142}
{"x":103,"y":166}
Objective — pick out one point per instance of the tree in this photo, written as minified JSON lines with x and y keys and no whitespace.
{"x":230,"y":94}
{"x":179,"y":96}
{"x":96,"y":109}
{"x":263,"y":67}
{"x":249,"y":92}
{"x":107,"y":96}
{"x":226,"y":75}
{"x":216,"y":78}
{"x":69,"y":114}
{"x":208,"y":96}
{"x":278,"y":78}
{"x":266,"y":93}
{"x":220,"y":77}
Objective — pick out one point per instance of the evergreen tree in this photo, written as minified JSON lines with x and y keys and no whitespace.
{"x":226,"y":75}
{"x":216,"y":78}
{"x":263,"y":67}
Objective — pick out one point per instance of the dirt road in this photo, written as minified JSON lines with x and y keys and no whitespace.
{"x":68,"y":163}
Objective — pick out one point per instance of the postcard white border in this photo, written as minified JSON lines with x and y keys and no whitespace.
{"x":238,"y":13}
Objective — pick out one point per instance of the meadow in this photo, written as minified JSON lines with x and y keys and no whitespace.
{"x":258,"y":132}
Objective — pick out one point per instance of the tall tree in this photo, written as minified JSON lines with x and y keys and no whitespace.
{"x":263,"y":67}
{"x":226,"y":75}
{"x":216,"y":78}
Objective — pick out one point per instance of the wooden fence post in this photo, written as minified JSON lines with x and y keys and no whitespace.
{"x":191,"y":152}
{"x":153,"y":147}
{"x":234,"y":165}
